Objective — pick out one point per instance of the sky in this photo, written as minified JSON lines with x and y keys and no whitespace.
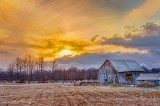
{"x":81,"y":33}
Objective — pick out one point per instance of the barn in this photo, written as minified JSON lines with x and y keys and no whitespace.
{"x":119,"y":72}
{"x":149,"y":77}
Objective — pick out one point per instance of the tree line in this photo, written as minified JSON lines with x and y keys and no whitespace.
{"x":30,"y":68}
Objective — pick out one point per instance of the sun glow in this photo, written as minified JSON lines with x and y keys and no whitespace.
{"x":66,"y":52}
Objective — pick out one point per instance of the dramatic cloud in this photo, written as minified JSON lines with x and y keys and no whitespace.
{"x":143,"y":12}
{"x":88,"y":60}
{"x":148,"y":39}
{"x":66,"y":29}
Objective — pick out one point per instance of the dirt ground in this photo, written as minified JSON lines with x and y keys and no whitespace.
{"x":69,"y":95}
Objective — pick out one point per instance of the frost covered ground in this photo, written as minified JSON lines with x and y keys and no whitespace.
{"x":69,"y":95}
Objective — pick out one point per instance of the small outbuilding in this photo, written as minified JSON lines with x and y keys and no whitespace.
{"x":149,"y":77}
{"x":119,"y":72}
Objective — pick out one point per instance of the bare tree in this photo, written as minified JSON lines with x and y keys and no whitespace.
{"x":37,"y":69}
{"x":18,"y":65}
{"x":53,"y":66}
{"x":29,"y":64}
{"x":41,"y":66}
{"x":11,"y":68}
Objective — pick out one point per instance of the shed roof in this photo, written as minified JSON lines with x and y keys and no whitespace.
{"x":149,"y":76}
{"x":125,"y":65}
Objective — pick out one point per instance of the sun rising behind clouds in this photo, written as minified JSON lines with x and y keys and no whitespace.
{"x":65,"y":53}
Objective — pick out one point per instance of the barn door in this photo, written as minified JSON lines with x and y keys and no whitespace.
{"x":128,"y":76}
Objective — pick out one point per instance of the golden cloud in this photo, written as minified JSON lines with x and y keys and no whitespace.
{"x":43,"y":28}
{"x":148,"y":9}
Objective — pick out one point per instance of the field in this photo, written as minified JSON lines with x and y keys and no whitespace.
{"x":69,"y":95}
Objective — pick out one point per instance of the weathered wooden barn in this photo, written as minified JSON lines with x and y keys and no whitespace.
{"x":119,"y":72}
{"x":149,"y":77}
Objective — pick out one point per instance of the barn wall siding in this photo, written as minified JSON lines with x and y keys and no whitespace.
{"x":134,"y":76}
{"x":100,"y":76}
{"x":111,"y":78}
{"x":122,"y":78}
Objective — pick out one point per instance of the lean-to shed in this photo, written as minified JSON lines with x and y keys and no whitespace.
{"x":149,"y":77}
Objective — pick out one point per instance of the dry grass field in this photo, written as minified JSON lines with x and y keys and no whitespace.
{"x":69,"y":95}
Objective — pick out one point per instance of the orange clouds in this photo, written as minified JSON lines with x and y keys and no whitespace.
{"x":42,"y":27}
{"x":148,"y":9}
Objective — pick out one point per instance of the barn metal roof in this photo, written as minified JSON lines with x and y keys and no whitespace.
{"x":149,"y":77}
{"x":126,"y":65}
